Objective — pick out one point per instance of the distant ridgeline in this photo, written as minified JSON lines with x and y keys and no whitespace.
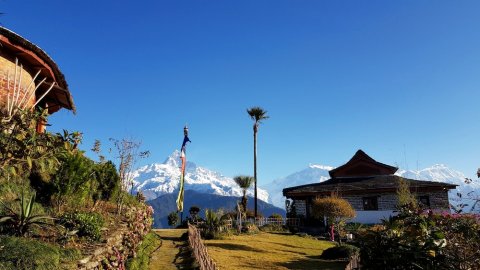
{"x":165,"y":204}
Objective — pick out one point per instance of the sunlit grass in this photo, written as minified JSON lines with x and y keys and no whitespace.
{"x":173,"y":252}
{"x":270,"y":251}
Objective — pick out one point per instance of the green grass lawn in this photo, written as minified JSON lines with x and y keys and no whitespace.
{"x":270,"y":251}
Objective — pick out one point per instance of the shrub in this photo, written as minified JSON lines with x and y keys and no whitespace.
{"x":73,"y":179}
{"x":342,"y":251}
{"x":335,"y":209}
{"x":150,"y":243}
{"x":194,"y":218}
{"x":24,"y":253}
{"x":273,"y":228}
{"x":249,"y":227}
{"x":276,"y":216}
{"x":173,"y":219}
{"x":88,"y":225}
{"x":108,"y":180}
{"x":423,"y":240}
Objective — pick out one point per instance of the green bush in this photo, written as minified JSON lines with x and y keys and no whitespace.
{"x":342,"y":251}
{"x":149,"y":244}
{"x":249,"y":227}
{"x":23,"y":253}
{"x":273,"y":228}
{"x":73,"y":177}
{"x":108,"y":180}
{"x":88,"y":225}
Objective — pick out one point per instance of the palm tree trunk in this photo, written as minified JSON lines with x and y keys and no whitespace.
{"x":255,"y":164}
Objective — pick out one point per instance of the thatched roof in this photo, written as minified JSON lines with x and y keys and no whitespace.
{"x":31,"y":56}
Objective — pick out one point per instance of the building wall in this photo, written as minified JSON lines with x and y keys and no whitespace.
{"x":387,"y":204}
{"x":7,"y":66}
{"x":300,"y":207}
{"x":389,"y":201}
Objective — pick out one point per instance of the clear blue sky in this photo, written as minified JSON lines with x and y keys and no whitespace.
{"x":398,"y":79}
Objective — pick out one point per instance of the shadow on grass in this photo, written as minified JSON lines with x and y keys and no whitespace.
{"x":184,"y":259}
{"x":314,"y":262}
{"x":234,"y":247}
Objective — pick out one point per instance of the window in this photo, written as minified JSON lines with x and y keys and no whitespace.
{"x":424,"y":200}
{"x":370,"y":203}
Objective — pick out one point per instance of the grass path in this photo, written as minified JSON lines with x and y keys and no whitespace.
{"x":270,"y":251}
{"x":173,"y":252}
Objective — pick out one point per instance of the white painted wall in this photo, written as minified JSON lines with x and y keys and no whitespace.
{"x":372,"y":217}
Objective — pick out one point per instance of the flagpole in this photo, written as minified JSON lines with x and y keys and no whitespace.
{"x":183,"y":157}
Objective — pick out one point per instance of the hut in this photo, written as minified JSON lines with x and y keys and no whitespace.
{"x":30,"y":78}
{"x":370,"y":187}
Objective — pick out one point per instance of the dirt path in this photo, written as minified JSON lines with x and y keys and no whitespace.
{"x":173,"y":252}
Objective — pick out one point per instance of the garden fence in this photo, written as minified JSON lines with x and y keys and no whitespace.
{"x":291,"y":222}
{"x":354,"y":263}
{"x":199,"y":250}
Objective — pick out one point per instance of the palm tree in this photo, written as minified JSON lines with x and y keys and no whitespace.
{"x":244,"y":182}
{"x":257,"y":114}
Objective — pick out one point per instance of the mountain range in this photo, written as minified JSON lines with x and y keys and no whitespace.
{"x":438,"y":173}
{"x":164,"y":178}
{"x":160,"y":181}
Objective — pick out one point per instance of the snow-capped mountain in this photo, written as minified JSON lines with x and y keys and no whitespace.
{"x":162,"y":178}
{"x":441,"y":173}
{"x":312,"y":174}
{"x":319,"y":173}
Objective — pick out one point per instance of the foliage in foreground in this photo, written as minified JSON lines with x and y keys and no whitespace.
{"x":149,"y":244}
{"x":415,"y":240}
{"x":342,"y":251}
{"x":24,"y":221}
{"x":87,"y":225}
{"x":21,"y":253}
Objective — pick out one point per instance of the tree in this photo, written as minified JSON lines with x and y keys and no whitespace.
{"x":127,"y":152}
{"x":172,"y":219}
{"x":257,"y":114}
{"x":244,"y":182}
{"x":194,"y":210}
{"x":335,"y":209}
{"x":406,"y":200}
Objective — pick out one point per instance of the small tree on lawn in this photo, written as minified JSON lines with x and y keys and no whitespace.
{"x":335,"y":209}
{"x":244,"y":182}
{"x":172,"y":219}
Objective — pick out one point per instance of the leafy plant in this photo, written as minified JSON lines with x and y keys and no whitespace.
{"x":73,"y":179}
{"x":88,"y":225}
{"x":108,"y":180}
{"x":22,"y":222}
{"x":211,"y":225}
{"x":244,"y":182}
{"x":24,"y":150}
{"x":25,"y":253}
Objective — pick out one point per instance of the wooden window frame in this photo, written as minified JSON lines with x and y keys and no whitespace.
{"x":370,"y":203}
